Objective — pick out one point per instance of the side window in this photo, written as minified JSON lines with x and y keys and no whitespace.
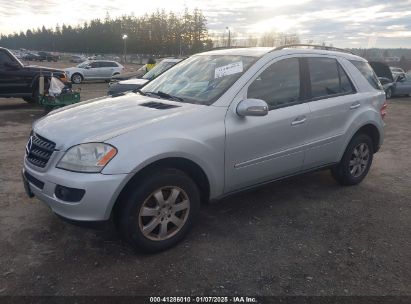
{"x":4,"y":58}
{"x":112,"y":65}
{"x":95,"y":65}
{"x":368,"y":73}
{"x":328,"y":78}
{"x":278,"y":85}
{"x":324,"y":77}
{"x":345,"y":83}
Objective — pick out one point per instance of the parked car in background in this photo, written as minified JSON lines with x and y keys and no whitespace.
{"x":402,"y":85}
{"x":77,"y":58}
{"x":129,"y":75}
{"x":94,"y":70}
{"x":383,"y":71}
{"x":135,"y":83}
{"x":46,"y":56}
{"x":397,"y":71}
{"x":18,"y":80}
{"x":30,"y":56}
{"x":217,"y":123}
{"x":388,"y":86}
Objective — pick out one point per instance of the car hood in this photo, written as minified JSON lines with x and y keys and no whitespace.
{"x":100,"y":119}
{"x":36,"y":68}
{"x":137,"y":81}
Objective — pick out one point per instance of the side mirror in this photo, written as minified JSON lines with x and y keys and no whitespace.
{"x":252,"y":107}
{"x":87,"y":67}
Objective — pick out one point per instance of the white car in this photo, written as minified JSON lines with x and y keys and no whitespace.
{"x":94,"y":70}
{"x":117,"y":87}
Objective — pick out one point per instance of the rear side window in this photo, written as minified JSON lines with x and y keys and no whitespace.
{"x":368,"y":73}
{"x":327,"y":78}
{"x":5,"y":58}
{"x":107,"y":64}
{"x":278,"y":85}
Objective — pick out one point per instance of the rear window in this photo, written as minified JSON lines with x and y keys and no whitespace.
{"x":327,"y":78}
{"x":368,"y":73}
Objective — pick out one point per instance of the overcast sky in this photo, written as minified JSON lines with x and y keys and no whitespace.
{"x":344,"y":23}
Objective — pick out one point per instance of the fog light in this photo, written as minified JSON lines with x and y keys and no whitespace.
{"x":69,"y":194}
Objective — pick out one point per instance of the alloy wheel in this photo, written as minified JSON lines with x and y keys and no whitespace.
{"x":359,"y":160}
{"x":164,"y":213}
{"x":76,"y":79}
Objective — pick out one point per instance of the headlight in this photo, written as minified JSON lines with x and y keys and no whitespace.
{"x":90,"y":157}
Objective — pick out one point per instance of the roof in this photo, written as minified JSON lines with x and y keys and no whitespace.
{"x":253,"y":51}
{"x":261,"y":51}
{"x":171,"y":60}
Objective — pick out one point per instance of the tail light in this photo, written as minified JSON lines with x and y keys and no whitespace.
{"x":383,"y":110}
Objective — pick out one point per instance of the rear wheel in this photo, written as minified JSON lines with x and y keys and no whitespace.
{"x":76,"y":78}
{"x":33,"y":98}
{"x":159,"y":210}
{"x":356,"y":161}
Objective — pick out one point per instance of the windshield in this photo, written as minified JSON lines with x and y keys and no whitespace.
{"x":200,"y":79}
{"x":83,"y":64}
{"x":158,"y":69}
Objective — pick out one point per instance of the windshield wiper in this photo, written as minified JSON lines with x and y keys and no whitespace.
{"x":165,"y":95}
{"x":139,"y":91}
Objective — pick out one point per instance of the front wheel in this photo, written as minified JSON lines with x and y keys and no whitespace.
{"x":356,"y":161}
{"x":159,"y":210}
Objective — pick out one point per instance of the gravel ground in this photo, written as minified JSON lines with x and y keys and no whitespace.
{"x":301,"y":236}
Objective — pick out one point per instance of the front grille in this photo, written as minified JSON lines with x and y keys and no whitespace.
{"x":39,"y":150}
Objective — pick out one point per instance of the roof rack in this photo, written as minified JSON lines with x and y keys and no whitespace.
{"x":318,"y":47}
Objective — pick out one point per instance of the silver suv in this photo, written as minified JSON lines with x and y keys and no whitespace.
{"x":216,"y":123}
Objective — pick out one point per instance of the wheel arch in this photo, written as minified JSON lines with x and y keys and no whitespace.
{"x":77,"y":72}
{"x":369,"y":129}
{"x":189,"y":167}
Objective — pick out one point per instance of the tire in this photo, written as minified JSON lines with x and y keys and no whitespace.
{"x":76,"y":78}
{"x":355,"y":164}
{"x":141,"y":210}
{"x":33,"y":98}
{"x":388,"y":93}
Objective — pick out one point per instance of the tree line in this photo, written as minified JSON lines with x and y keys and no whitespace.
{"x":159,"y":33}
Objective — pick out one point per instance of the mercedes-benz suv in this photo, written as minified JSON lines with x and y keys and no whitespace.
{"x":217,"y":123}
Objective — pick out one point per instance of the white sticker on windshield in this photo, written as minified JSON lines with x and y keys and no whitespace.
{"x":229,"y":69}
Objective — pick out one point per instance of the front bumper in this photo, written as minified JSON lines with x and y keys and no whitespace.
{"x":101,"y":192}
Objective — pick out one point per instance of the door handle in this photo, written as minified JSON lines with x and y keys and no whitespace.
{"x":355,"y":105}
{"x":299,"y":120}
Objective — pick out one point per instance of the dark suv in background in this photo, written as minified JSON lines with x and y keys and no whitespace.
{"x":18,"y":80}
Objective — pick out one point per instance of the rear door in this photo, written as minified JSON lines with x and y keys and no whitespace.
{"x":333,"y":100}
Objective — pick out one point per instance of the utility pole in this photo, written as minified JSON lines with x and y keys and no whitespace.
{"x":125,"y":47}
{"x":229,"y":37}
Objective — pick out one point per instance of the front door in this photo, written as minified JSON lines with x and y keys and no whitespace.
{"x":259,"y":149}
